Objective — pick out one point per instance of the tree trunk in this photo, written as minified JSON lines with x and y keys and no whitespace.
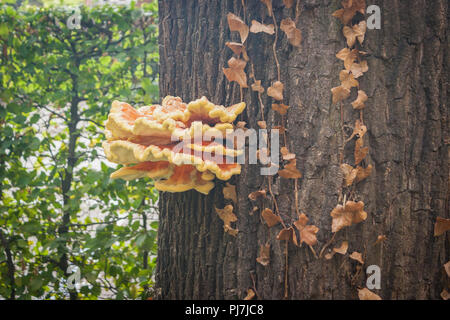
{"x":407,"y":120}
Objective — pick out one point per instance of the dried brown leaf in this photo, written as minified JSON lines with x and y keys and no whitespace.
{"x":357,"y":256}
{"x":287,"y":234}
{"x":276,"y":90}
{"x":360,"y":30}
{"x":366,"y":294}
{"x":280,"y":108}
{"x":380,"y":239}
{"x":447,"y":268}
{"x":343,"y":54}
{"x":257,"y":27}
{"x":236,"y":72}
{"x":236,"y":24}
{"x":238,"y":48}
{"x":250,"y":294}
{"x":307,"y":232}
{"x":355,"y":32}
{"x":264,"y":255}
{"x":445,"y":295}
{"x":350,"y":7}
{"x":348,"y":81}
{"x":339,"y":94}
{"x":257,"y":86}
{"x":227,"y":216}
{"x":359,"y":130}
{"x":349,"y":174}
{"x":358,"y":69}
{"x":229,"y":192}
{"x":257,"y":194}
{"x":329,"y":255}
{"x":344,"y":216}
{"x":290,"y":170}
{"x":359,"y":102}
{"x":293,"y":34}
{"x":362,"y":173}
{"x":360,"y":151}
{"x":342,"y":249}
{"x":270,"y":218}
{"x":286,"y":154}
{"x":441,"y":226}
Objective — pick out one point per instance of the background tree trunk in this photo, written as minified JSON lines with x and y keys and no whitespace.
{"x":407,"y":120}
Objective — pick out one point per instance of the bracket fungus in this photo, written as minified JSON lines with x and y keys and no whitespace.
{"x":181,"y":146}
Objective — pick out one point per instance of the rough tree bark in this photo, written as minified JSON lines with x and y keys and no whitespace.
{"x":407,"y":120}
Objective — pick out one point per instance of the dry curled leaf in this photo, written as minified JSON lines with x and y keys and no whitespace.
{"x":286,"y":154}
{"x":236,"y":24}
{"x":290,"y":170}
{"x":359,"y":130}
{"x":349,"y":57}
{"x":357,"y":256}
{"x":238,"y":48}
{"x":257,"y":27}
{"x":344,"y":216}
{"x":257,"y":86}
{"x":350,"y":7}
{"x":441,"y":226}
{"x":355,"y":32}
{"x":445,"y":295}
{"x":307,"y":232}
{"x":349,"y":174}
{"x":359,"y":102}
{"x":270,"y":218}
{"x":342,"y":249}
{"x":339,"y":94}
{"x":360,"y":151}
{"x":264,"y":255}
{"x":257,"y":194}
{"x":276,"y":90}
{"x":250,"y":294}
{"x":366,"y":294}
{"x":348,"y":81}
{"x":293,"y":34}
{"x":268,"y":3}
{"x":447,"y":268}
{"x":358,"y":69}
{"x":343,"y":54}
{"x":362,"y":173}
{"x":329,"y":255}
{"x":236,"y":72}
{"x":280,"y":108}
{"x":380,"y":239}
{"x":229,"y":192}
{"x":288,"y":234}
{"x":355,"y":174}
{"x":227,"y":216}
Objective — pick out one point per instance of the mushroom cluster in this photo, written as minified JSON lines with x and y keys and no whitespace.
{"x":171,"y":143}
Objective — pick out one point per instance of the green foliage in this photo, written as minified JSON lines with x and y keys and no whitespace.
{"x":58,"y":206}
